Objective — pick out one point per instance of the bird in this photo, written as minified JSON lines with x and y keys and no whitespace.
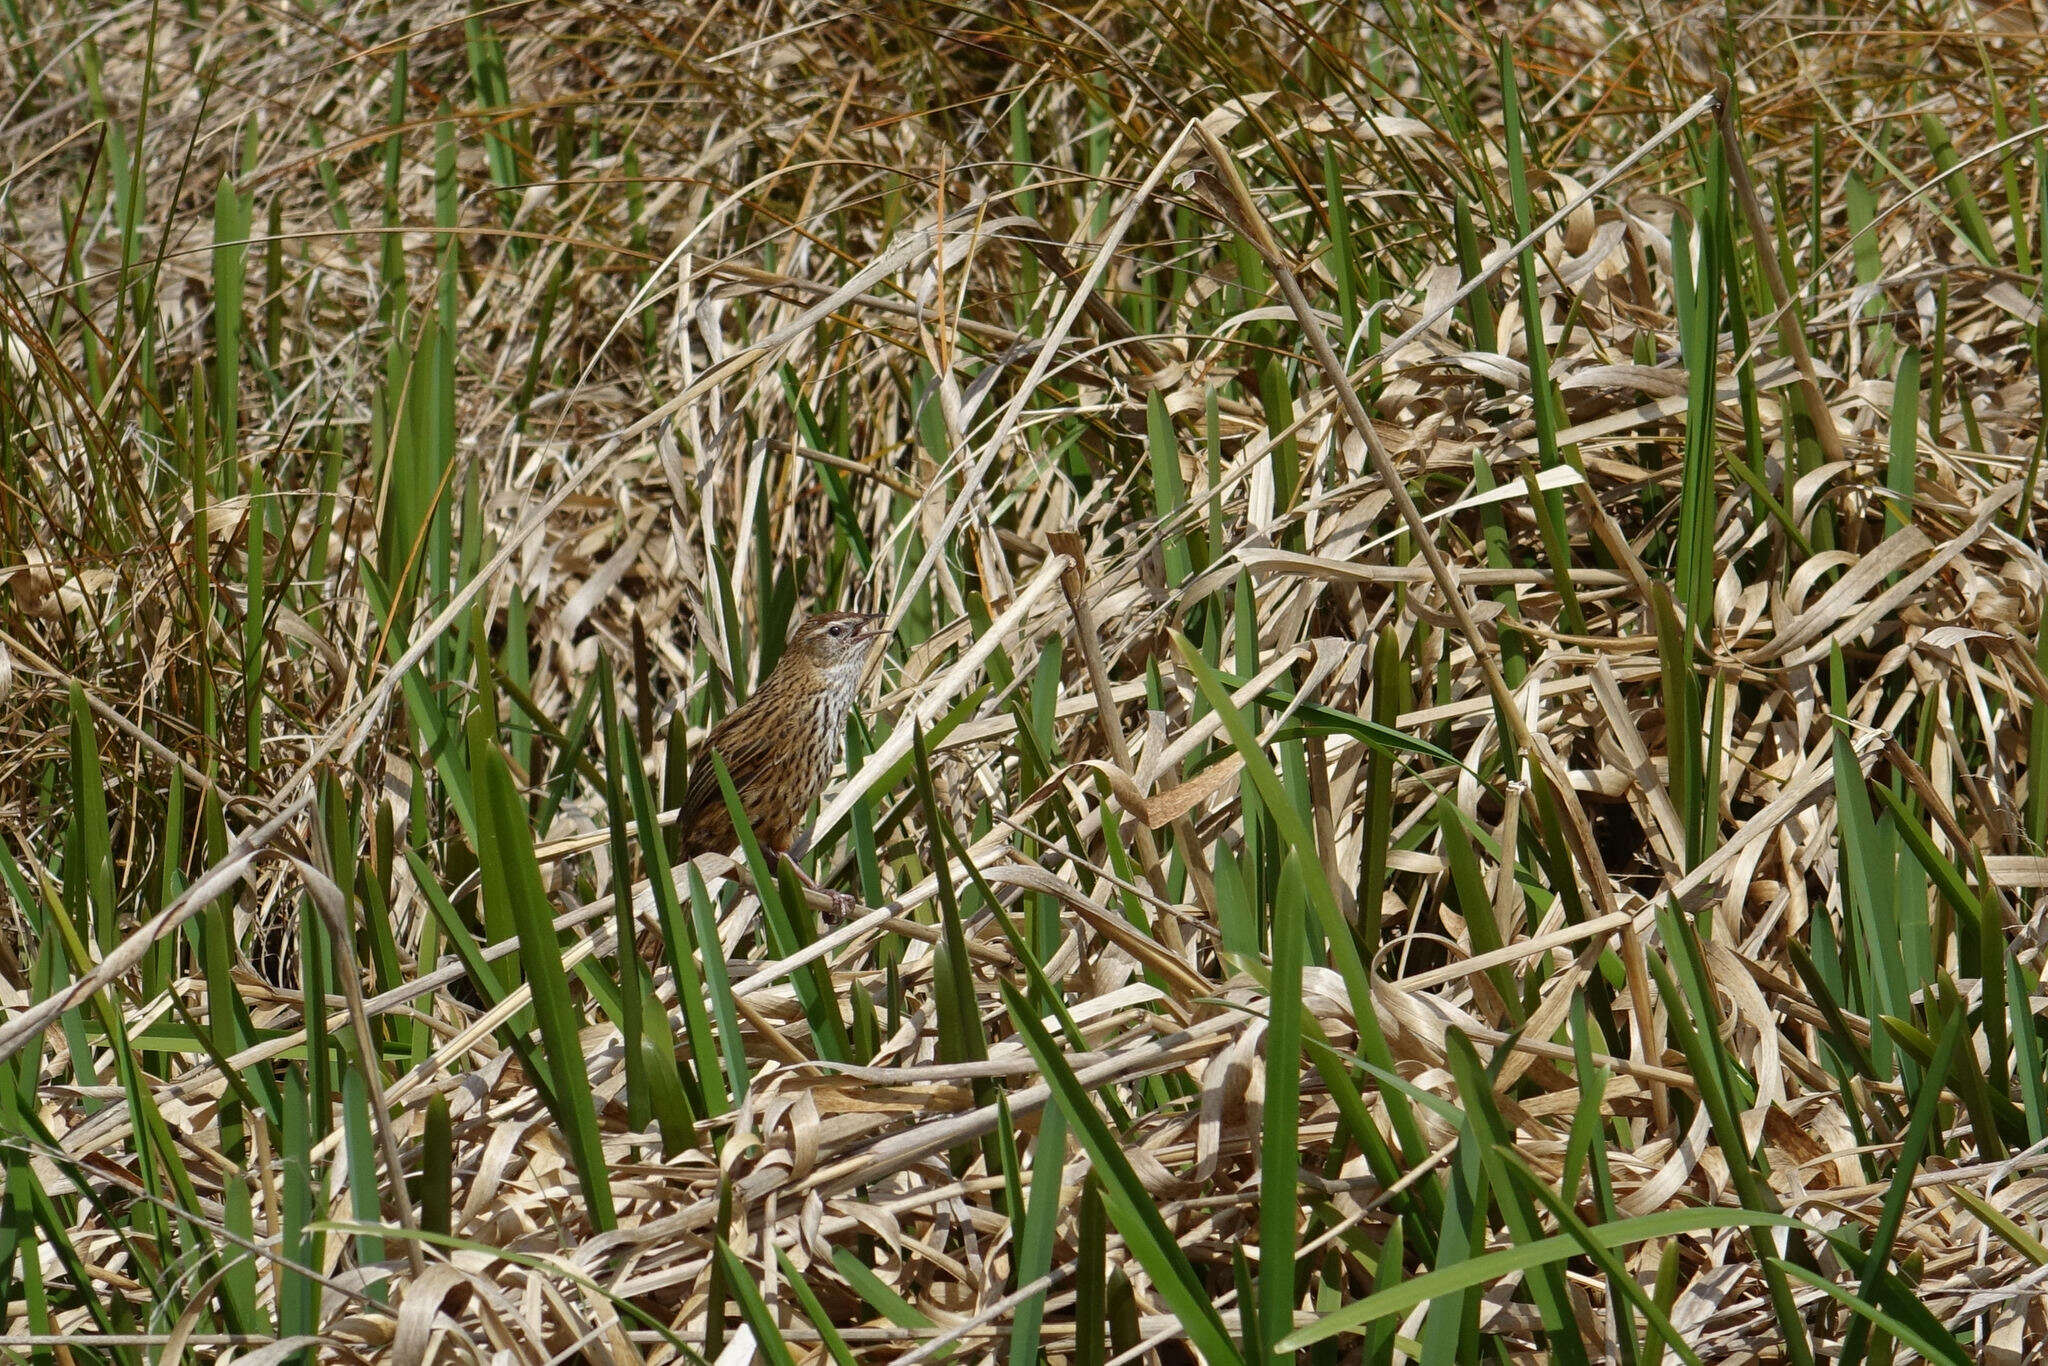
{"x":780,"y":745}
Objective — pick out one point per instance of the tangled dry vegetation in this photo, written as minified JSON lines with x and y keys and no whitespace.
{"x":417,"y":421}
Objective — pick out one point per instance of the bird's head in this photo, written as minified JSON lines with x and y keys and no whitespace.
{"x":834,"y":643}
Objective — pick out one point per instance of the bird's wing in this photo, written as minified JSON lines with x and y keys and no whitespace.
{"x":745,"y":749}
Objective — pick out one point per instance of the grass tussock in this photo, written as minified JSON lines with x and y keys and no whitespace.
{"x":1451,"y":780}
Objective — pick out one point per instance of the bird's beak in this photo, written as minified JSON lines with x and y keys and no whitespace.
{"x":875,"y":626}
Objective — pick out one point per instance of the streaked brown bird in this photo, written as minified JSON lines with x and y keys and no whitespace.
{"x":779,"y":746}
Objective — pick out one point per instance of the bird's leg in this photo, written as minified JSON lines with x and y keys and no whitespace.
{"x":843,"y":903}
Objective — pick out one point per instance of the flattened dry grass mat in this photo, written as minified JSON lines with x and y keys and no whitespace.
{"x":1449,"y":779}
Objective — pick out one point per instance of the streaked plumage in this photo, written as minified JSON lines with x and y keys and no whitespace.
{"x":779,"y":746}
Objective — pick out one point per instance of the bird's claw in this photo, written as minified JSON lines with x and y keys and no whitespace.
{"x":843,"y":904}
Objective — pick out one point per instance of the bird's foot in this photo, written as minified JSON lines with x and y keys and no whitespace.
{"x":843,"y":903}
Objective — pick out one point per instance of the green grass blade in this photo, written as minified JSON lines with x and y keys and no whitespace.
{"x":1279,"y":1150}
{"x":512,"y":878}
{"x":1130,"y":1207}
{"x":1488,"y":1267}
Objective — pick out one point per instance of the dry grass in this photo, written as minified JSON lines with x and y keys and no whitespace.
{"x":574,"y":345}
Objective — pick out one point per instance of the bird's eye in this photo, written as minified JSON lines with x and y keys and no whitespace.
{"x":837,"y":631}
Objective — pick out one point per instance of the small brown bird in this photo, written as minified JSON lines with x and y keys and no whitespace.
{"x":779,"y":746}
